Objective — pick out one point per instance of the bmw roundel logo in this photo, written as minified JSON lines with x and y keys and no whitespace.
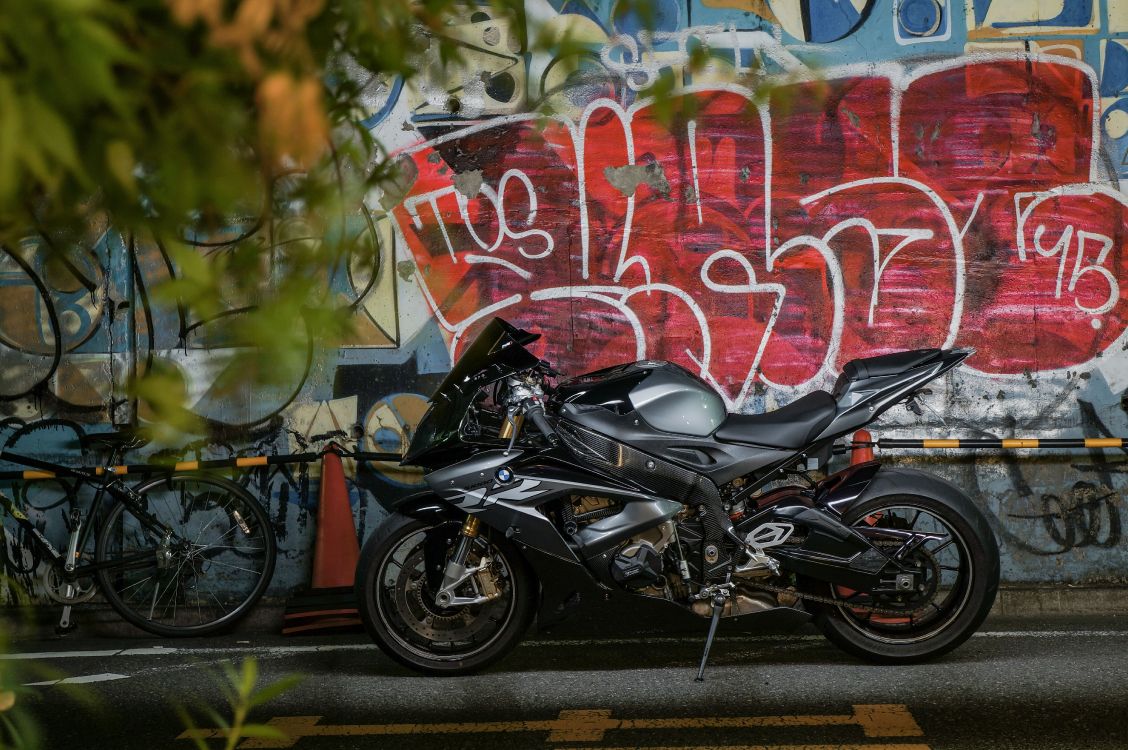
{"x":504,"y":474}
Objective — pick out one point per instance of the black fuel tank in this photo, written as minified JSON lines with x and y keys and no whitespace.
{"x":663,"y":395}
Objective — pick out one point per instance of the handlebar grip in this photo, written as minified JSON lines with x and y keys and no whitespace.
{"x":536,"y":413}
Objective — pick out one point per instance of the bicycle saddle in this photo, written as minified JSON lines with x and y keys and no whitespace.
{"x":120,"y":440}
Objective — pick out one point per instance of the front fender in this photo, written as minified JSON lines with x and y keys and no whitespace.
{"x":427,"y":506}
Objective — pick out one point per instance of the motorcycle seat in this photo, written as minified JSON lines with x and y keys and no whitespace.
{"x":789,"y":427}
{"x":888,"y":364}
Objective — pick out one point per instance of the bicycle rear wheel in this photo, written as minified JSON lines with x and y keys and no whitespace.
{"x":202,"y":578}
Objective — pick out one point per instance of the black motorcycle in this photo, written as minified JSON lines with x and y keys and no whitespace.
{"x":635,"y":478}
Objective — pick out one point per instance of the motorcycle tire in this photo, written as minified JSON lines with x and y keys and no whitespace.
{"x":395,"y":596}
{"x":972,"y":575}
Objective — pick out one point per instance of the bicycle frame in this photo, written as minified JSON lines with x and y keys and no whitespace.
{"x":161,"y":534}
{"x":21,"y":518}
{"x":106,"y":481}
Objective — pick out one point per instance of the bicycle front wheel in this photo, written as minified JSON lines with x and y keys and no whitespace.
{"x":193,"y":555}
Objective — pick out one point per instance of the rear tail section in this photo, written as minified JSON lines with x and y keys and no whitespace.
{"x":868,"y":387}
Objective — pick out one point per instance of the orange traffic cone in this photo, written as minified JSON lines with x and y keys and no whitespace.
{"x":329,"y":604}
{"x":336,"y":550}
{"x":860,"y":454}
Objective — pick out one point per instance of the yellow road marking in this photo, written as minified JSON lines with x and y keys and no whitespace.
{"x":887,"y":720}
{"x":581,"y":726}
{"x":765,"y":747}
{"x":590,"y":725}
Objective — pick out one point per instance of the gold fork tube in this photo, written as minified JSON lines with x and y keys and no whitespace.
{"x":470,"y":527}
{"x":509,"y":426}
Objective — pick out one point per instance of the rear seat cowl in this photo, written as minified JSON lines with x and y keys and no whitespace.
{"x":888,"y":364}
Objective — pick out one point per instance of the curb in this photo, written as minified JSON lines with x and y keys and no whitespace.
{"x":593,"y":618}
{"x":1060,"y":599}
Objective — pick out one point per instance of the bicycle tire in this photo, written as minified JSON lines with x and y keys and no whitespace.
{"x":202,"y":511}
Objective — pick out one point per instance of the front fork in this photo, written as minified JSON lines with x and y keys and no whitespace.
{"x":456,"y":572}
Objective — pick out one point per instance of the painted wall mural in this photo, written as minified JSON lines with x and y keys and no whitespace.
{"x":842,"y":178}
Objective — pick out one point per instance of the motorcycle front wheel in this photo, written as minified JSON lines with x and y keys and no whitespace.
{"x":960,"y":565}
{"x":398,"y":576}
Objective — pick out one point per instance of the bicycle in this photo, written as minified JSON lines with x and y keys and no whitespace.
{"x":178,"y":555}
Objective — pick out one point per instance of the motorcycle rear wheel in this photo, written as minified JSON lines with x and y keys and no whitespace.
{"x":952,"y":601}
{"x":395,"y":596}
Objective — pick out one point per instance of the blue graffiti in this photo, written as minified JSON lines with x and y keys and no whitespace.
{"x":829,"y":20}
{"x":1073,"y":13}
{"x":922,"y":17}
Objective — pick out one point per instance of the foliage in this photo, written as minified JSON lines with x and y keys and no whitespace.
{"x":18,"y":730}
{"x":18,"y":727}
{"x":239,"y":688}
{"x":205,"y":127}
{"x":175,"y":120}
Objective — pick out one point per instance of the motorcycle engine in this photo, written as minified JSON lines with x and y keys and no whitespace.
{"x":638,"y":563}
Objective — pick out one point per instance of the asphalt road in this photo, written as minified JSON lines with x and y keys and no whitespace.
{"x":1018,"y":684}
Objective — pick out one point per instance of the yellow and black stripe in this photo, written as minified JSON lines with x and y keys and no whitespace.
{"x":1002,"y":444}
{"x":251,"y":462}
{"x":240,"y":462}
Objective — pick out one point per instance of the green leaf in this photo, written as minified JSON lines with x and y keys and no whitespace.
{"x":11,"y":121}
{"x":54,"y":136}
{"x":248,"y":678}
{"x":262,"y":730}
{"x":119,"y":159}
{"x":189,"y":725}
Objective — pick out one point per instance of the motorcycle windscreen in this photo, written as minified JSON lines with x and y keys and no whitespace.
{"x":498,"y":351}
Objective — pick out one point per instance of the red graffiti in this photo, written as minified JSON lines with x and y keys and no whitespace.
{"x":770,"y":241}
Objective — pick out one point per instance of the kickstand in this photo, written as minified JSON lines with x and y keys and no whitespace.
{"x":718,"y":606}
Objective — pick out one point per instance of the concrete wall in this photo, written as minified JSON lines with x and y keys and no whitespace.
{"x":846,"y":178}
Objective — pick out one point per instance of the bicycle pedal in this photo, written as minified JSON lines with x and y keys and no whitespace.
{"x":62,"y":630}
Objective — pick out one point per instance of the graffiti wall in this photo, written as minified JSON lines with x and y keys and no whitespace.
{"x":830,"y":179}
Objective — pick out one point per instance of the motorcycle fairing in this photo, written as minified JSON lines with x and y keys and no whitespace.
{"x":509,"y":490}
{"x":721,"y":462}
{"x":506,"y":490}
{"x":498,"y":351}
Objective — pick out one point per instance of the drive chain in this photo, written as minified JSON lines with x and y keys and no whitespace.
{"x":829,"y":600}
